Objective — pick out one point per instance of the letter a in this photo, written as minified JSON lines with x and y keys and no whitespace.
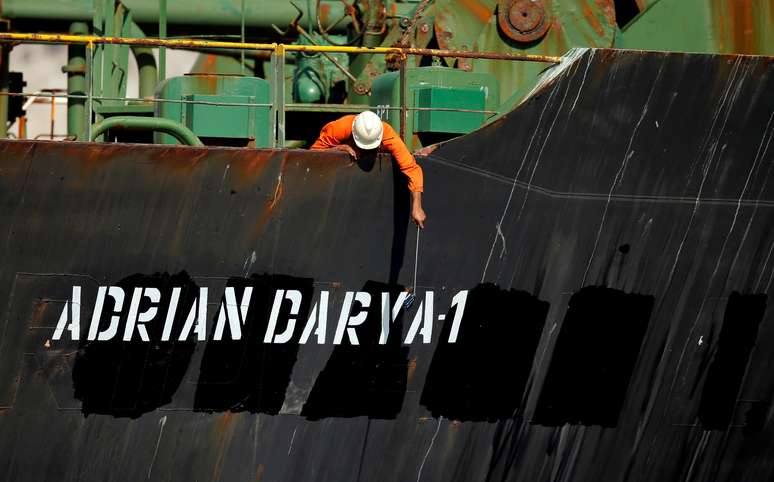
{"x":73,"y":305}
{"x":319,"y":317}
{"x":423,"y":317}
{"x":197,"y":315}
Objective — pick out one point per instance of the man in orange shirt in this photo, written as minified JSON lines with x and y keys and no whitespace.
{"x":364,"y":133}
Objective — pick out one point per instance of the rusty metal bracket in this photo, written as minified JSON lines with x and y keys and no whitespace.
{"x":522,"y":20}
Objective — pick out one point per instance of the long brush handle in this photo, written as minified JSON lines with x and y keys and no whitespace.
{"x":416,"y":261}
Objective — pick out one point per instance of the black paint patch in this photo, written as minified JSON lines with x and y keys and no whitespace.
{"x":367,"y":379}
{"x":129,"y":378}
{"x":483,"y":375}
{"x":594,"y":358}
{"x":248,"y":374}
{"x":726,"y":372}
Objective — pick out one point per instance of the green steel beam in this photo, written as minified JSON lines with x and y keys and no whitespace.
{"x":4,"y":88}
{"x":97,"y":60}
{"x":162,"y":34}
{"x":277,"y":87}
{"x":167,"y":126}
{"x":76,"y":81}
{"x":241,"y":34}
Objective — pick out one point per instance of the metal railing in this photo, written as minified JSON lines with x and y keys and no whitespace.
{"x":278,"y":107}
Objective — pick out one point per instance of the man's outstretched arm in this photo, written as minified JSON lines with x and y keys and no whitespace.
{"x":413,"y":171}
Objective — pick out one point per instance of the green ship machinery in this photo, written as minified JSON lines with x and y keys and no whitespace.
{"x":242,"y":96}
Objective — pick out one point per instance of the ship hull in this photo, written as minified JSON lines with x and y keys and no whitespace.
{"x":611,"y":237}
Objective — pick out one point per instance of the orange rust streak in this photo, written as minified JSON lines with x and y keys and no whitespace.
{"x":37,"y":313}
{"x":248,"y":170}
{"x":480,"y":11}
{"x":736,"y":27}
{"x":170,"y":158}
{"x":280,"y":187}
{"x":225,"y":432}
{"x":269,"y":209}
{"x":224,"y":422}
{"x":593,"y":20}
{"x":259,"y":472}
{"x":210,"y":64}
{"x":721,"y":29}
{"x":745,"y":28}
{"x":607,"y":7}
{"x":325,"y":12}
{"x":412,"y":367}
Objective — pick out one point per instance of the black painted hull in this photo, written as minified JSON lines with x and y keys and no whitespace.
{"x":615,"y":233}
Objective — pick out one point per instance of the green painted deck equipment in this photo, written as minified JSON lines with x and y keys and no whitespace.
{"x":451,"y":92}
{"x":220,"y":109}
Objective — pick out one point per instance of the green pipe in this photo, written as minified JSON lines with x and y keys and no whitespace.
{"x":242,"y":36}
{"x":130,"y":123}
{"x":162,"y":34}
{"x":359,"y":62}
{"x":259,"y":14}
{"x":148,"y":73}
{"x":76,"y":81}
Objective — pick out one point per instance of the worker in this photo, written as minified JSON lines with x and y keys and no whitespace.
{"x":363,"y":134}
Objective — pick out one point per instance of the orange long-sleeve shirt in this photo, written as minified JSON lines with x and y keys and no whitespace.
{"x":338,"y":132}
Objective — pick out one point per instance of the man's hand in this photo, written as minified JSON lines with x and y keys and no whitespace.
{"x":426,"y":151}
{"x":346,"y":148}
{"x":418,"y":215}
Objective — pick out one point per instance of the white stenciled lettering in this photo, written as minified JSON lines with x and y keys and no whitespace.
{"x":389,"y":315}
{"x":117,"y":294}
{"x":458,"y":303}
{"x":97,"y":313}
{"x":350,"y":322}
{"x":228,"y":311}
{"x":423,"y":317}
{"x":137,"y":320}
{"x":171,"y":312}
{"x":197,"y":315}
{"x":70,"y":318}
{"x":142,"y":306}
{"x":295,"y":306}
{"x":319,"y":318}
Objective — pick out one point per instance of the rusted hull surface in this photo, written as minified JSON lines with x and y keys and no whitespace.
{"x":620,"y":222}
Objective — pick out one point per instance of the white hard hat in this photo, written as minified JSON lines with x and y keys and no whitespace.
{"x":367,"y":130}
